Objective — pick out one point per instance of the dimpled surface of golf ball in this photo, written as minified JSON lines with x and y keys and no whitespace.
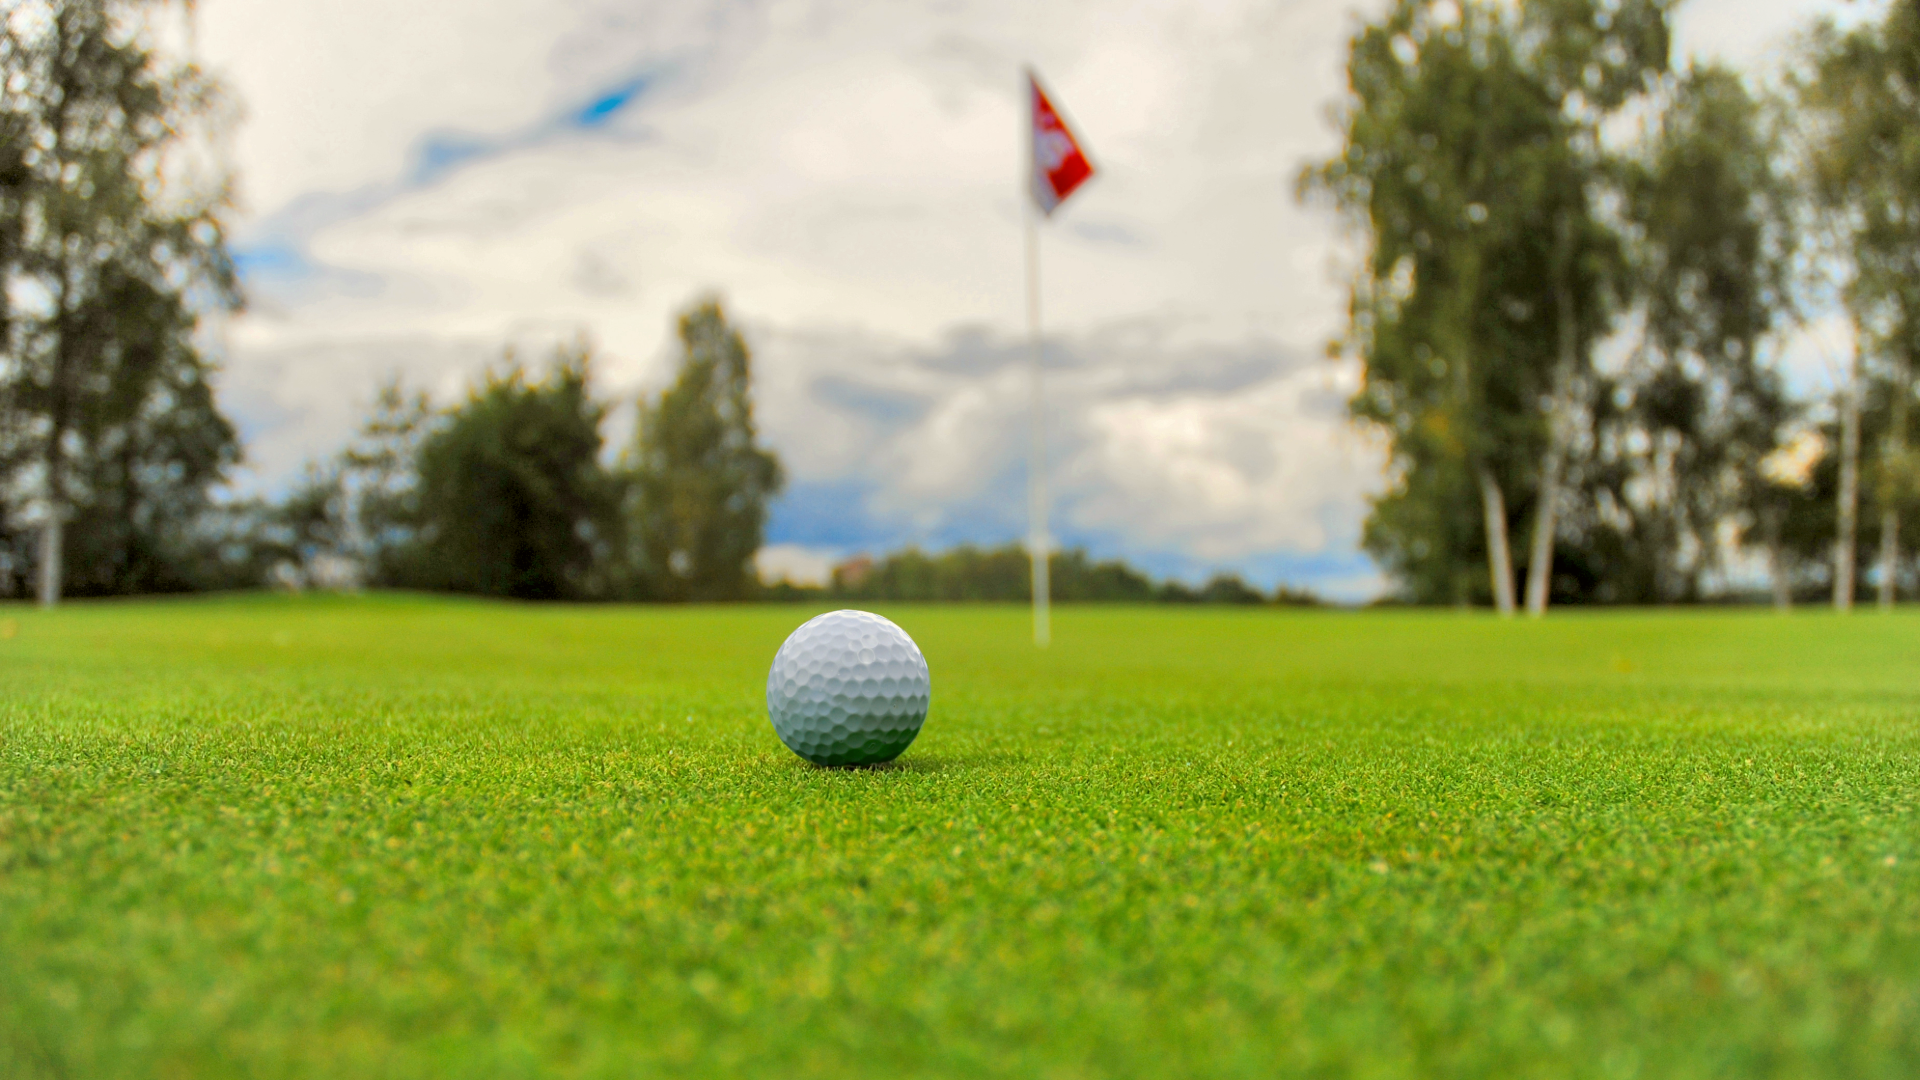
{"x":848,"y":688}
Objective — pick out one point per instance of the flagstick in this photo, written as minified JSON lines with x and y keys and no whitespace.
{"x":1037,"y":540}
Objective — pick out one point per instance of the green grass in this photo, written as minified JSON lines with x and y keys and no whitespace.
{"x":399,"y":837}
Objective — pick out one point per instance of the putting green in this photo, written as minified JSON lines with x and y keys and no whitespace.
{"x":391,"y":836}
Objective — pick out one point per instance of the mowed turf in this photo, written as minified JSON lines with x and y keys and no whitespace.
{"x":386,"y":836}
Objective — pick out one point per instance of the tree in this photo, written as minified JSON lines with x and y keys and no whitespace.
{"x":700,"y":480}
{"x":300,"y":540}
{"x":1682,"y":430}
{"x":512,"y":498}
{"x":972,"y":574}
{"x":1812,"y":502}
{"x":1076,"y":577}
{"x":1592,"y":57}
{"x":111,"y":243}
{"x":1488,"y":274}
{"x":378,"y":482}
{"x":148,"y":445}
{"x":1859,"y":98}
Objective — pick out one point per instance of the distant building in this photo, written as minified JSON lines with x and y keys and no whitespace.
{"x":853,"y":573}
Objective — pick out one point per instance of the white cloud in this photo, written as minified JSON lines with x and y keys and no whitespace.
{"x":1185,"y":454}
{"x":1273,"y":466}
{"x":300,"y":401}
{"x":794,"y":563}
{"x":1753,"y":34}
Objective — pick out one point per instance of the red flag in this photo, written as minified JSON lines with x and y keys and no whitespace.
{"x":1059,"y":165}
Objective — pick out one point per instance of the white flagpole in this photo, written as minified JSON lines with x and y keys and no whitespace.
{"x":1038,"y":542}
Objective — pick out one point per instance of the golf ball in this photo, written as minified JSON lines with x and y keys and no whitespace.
{"x":848,"y":688}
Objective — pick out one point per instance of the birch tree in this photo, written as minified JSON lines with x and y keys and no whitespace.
{"x":112,"y":246}
{"x":1699,"y":406}
{"x":1469,"y":168}
{"x":1859,"y":98}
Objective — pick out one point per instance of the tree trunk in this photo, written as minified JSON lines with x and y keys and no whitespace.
{"x":52,"y":534}
{"x":1777,"y":570}
{"x":1889,"y":556}
{"x":1540,"y":560}
{"x":1499,"y":560}
{"x":50,"y":560}
{"x":53,"y":456}
{"x":1777,"y":560}
{"x":1894,"y":487}
{"x":1849,"y":489}
{"x":52,"y":546}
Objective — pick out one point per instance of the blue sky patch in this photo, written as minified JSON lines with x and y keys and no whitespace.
{"x":597,"y":112}
{"x":274,"y":259}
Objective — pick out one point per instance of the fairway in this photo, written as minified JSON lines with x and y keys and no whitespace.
{"x":391,"y":836}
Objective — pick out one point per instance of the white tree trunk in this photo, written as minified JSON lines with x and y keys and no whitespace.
{"x":1499,"y":560}
{"x":1895,"y":487}
{"x":1540,"y":560}
{"x":51,"y":560}
{"x":1849,"y":490}
{"x":1889,"y":556}
{"x":1777,"y":570}
{"x":1546,"y":518}
{"x":1776,"y":559}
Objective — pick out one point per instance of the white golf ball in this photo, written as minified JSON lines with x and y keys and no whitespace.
{"x":848,"y":688}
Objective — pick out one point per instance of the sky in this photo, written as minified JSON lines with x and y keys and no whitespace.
{"x":427,"y":187}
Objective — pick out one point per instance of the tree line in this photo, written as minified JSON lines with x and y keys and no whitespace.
{"x":1580,"y":266}
{"x":509,"y":492}
{"x":970,"y":573}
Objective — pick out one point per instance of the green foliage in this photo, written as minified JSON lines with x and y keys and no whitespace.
{"x":511,"y":498}
{"x":1714,"y":210}
{"x":1426,"y":534}
{"x":964,"y":572}
{"x":402,"y":838}
{"x":700,"y":481}
{"x":1858,"y":93}
{"x":506,"y":494}
{"x":291,"y":543}
{"x":377,"y":509}
{"x":1220,"y":589}
{"x":1505,"y":237}
{"x":1595,"y":56}
{"x":1809,"y":511}
{"x":111,"y":244}
{"x":147,"y":448}
{"x":1072,"y":576}
{"x":1679,"y":433}
{"x":1229,"y":589}
{"x":1862,"y":166}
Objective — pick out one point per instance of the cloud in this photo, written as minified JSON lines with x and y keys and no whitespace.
{"x":302,"y":402}
{"x":826,"y":163}
{"x":1185,"y":456}
{"x":793,"y":563}
{"x":1752,"y":34}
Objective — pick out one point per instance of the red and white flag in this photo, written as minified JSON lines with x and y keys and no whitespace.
{"x":1059,"y":165}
